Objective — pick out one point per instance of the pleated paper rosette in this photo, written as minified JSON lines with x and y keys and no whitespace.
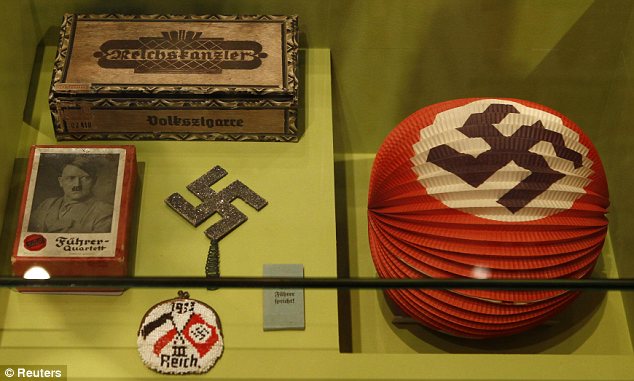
{"x":486,"y":188}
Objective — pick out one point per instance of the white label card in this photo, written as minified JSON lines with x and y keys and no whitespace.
{"x":284,"y":307}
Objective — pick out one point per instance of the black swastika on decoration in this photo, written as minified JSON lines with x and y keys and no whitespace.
{"x":200,"y":332}
{"x":216,"y":202}
{"x":514,"y":148}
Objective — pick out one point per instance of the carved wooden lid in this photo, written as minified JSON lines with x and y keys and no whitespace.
{"x":157,"y":55}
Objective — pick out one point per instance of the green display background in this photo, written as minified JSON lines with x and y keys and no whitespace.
{"x":390,"y":58}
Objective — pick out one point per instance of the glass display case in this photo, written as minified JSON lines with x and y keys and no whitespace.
{"x":364,"y":66}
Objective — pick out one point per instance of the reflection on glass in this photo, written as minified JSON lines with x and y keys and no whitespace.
{"x":36,"y":272}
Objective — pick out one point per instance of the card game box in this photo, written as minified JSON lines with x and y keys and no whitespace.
{"x":76,"y":210}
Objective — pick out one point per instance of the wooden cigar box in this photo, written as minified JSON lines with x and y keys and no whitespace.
{"x":172,"y":77}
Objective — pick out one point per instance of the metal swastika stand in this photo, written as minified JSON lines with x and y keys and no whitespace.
{"x":215,"y":202}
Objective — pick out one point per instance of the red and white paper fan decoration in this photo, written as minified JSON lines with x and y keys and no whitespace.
{"x":486,"y":188}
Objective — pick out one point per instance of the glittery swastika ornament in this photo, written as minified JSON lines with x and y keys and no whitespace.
{"x":180,"y":336}
{"x":215,"y":202}
{"x":486,"y":188}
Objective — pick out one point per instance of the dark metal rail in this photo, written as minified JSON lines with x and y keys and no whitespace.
{"x":324,"y":283}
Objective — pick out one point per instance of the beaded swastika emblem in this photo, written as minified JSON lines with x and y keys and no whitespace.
{"x":180,"y":336}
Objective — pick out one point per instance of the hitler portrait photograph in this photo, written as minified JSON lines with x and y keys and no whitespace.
{"x":73,"y":201}
{"x":74,"y":193}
